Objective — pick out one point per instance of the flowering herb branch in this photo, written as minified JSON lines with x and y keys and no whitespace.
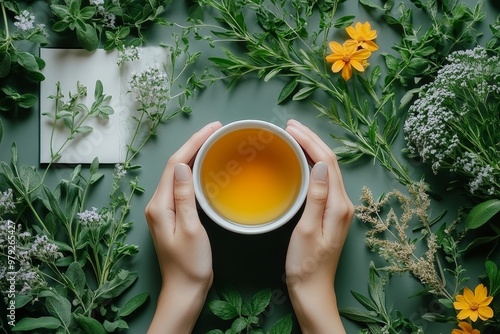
{"x":14,"y":60}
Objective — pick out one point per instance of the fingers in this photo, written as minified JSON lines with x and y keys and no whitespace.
{"x":338,"y":203}
{"x":317,"y":150}
{"x":184,"y":198}
{"x":317,"y":196}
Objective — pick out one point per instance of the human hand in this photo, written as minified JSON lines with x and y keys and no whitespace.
{"x":317,"y":240}
{"x":181,"y":242}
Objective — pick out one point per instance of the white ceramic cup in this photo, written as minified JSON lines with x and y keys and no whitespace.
{"x":203,"y":197}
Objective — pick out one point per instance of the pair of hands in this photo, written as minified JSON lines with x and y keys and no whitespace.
{"x":184,"y":252}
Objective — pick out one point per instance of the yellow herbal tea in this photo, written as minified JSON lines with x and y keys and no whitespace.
{"x":250,"y":176}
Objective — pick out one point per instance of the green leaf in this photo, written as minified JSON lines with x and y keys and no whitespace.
{"x":370,"y":4}
{"x":30,"y":324}
{"x":303,"y":93}
{"x":99,"y":89}
{"x":27,"y":100}
{"x":365,"y":301}
{"x":223,"y":309}
{"x":5,"y":61}
{"x":22,"y":300}
{"x":239,"y":324}
{"x":376,"y":288}
{"x":76,"y":276}
{"x":215,"y":331}
{"x":112,"y":326}
{"x":60,"y":11}
{"x":60,"y":308}
{"x":89,"y":325}
{"x":482,"y":213}
{"x":87,"y":36}
{"x":28,"y":61}
{"x":344,"y":21}
{"x":493,"y":277}
{"x":230,"y":294}
{"x":260,"y":301}
{"x":287,"y":90}
{"x":359,"y":315}
{"x":131,"y":305}
{"x":283,"y":325}
{"x":116,"y":286}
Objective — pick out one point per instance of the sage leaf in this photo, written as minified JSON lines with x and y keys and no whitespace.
{"x":482,"y":213}
{"x":60,"y":308}
{"x":87,"y":36}
{"x":28,"y":61}
{"x":134,"y":303}
{"x":117,"y":285}
{"x":76,"y":277}
{"x":89,"y":325}
{"x":29,"y":324}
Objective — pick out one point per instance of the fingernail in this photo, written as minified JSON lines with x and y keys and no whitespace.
{"x":181,"y":172}
{"x":320,"y":172}
{"x":209,"y":125}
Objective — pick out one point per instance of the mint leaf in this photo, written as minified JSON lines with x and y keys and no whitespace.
{"x":260,"y":301}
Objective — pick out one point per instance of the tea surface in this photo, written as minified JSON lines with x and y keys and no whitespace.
{"x":251,"y":176}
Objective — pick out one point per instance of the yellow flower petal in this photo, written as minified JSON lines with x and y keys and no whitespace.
{"x":369,"y":45}
{"x":337,"y":66}
{"x":347,"y":72}
{"x":485,"y":312}
{"x":336,"y":47}
{"x":357,"y":65}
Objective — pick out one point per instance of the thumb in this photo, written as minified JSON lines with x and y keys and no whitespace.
{"x":184,"y":198}
{"x":317,"y":196}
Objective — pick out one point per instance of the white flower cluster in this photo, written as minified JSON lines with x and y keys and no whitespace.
{"x":128,"y":54}
{"x":7,"y":204}
{"x":454,"y":121}
{"x":120,"y":171}
{"x":89,"y":217}
{"x":25,"y":250}
{"x":150,"y":86}
{"x":25,"y":20}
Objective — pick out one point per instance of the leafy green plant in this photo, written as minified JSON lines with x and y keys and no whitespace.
{"x":246,"y":316}
{"x":14,"y":60}
{"x":63,"y":267}
{"x":376,"y":317}
{"x":121,"y":22}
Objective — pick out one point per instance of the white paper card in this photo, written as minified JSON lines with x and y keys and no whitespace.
{"x":109,"y":138}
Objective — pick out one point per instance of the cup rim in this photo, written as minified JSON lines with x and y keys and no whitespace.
{"x":242,"y":228}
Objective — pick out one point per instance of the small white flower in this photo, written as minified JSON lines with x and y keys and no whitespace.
{"x":89,"y":217}
{"x":25,"y":21}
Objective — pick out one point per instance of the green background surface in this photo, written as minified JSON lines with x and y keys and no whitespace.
{"x":251,"y":263}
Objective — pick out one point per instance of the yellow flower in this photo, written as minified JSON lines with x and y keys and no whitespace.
{"x":474,"y":305}
{"x":345,"y":57}
{"x":362,"y":35}
{"x":466,"y":328}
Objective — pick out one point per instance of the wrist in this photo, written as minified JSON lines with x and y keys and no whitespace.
{"x":178,"y":307}
{"x":315,"y":306}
